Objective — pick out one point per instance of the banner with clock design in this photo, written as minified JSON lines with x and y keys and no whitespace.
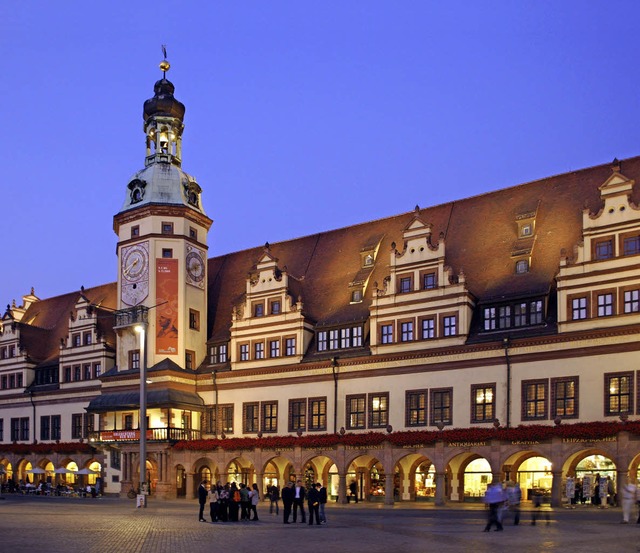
{"x":196,"y":267}
{"x":167,"y":324}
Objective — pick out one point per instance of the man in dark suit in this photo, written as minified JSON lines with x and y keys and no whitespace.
{"x":287,"y":501}
{"x":298,"y":501}
{"x":202,"y":499}
{"x":313,"y":498}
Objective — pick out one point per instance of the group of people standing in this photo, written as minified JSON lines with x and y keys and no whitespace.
{"x":228,"y":503}
{"x":293,"y":499}
{"x":238,"y":502}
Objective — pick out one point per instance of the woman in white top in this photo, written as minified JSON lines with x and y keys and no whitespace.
{"x":254,"y":496}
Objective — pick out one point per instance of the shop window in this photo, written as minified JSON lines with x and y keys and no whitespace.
{"x":534,"y":399}
{"x":270,"y":416}
{"x":416,"y":408}
{"x":318,"y":413}
{"x":297,"y":415}
{"x":618,"y":393}
{"x":250,"y":413}
{"x":441,"y":406}
{"x":483,"y":401}
{"x":564,"y":398}
{"x":356,"y":411}
{"x":378,"y":410}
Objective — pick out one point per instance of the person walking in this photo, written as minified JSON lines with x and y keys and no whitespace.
{"x":254,"y":498}
{"x":494,"y":497}
{"x":323,"y":501}
{"x":514,"y":497}
{"x":298,"y":501}
{"x":353,"y":491}
{"x":288,"y":494}
{"x":628,"y":497}
{"x":274,"y":498}
{"x":313,"y":500}
{"x":202,"y":499}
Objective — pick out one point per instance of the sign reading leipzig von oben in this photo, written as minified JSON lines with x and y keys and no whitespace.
{"x":167,"y":302}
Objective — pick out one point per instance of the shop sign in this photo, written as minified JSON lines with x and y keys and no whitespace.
{"x":466,"y":444}
{"x":281,"y":449}
{"x":122,"y":435}
{"x":581,"y":441}
{"x":525,"y":442}
{"x":416,"y":446}
{"x":364,"y":447}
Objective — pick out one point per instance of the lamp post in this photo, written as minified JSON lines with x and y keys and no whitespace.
{"x":141,"y":329}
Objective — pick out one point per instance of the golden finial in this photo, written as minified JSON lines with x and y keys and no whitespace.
{"x":164,"y":64}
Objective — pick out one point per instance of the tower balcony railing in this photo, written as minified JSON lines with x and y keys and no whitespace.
{"x":131,"y":316}
{"x":153,"y":435}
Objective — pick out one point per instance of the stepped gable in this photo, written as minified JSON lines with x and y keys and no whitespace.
{"x":479,"y":232}
{"x":46,"y":321}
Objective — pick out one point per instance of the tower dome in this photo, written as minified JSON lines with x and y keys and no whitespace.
{"x":163,"y":102}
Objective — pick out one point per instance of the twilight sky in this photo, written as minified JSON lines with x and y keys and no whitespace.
{"x":301,"y":116}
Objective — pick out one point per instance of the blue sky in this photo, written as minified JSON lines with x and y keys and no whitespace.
{"x":301,"y":116}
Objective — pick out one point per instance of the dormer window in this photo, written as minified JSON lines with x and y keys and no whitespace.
{"x":368,"y":260}
{"x":603,"y":249}
{"x":356,"y":296}
{"x":526,"y":230}
{"x":405,"y":285}
{"x":429,"y":281}
{"x":522,"y":266}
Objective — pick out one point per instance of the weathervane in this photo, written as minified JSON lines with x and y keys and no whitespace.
{"x":164,"y":64}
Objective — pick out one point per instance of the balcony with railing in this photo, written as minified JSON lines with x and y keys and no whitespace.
{"x":131,"y":316}
{"x":153,"y":435}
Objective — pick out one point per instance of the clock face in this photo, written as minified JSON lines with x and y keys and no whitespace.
{"x":134,"y":270}
{"x":195,"y":267}
{"x":135,"y":263}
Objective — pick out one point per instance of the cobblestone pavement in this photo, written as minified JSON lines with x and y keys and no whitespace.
{"x":105,"y":525}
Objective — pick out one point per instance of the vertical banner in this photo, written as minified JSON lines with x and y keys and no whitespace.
{"x":167,"y":306}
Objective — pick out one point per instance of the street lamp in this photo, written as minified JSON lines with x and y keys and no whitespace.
{"x":141,"y":329}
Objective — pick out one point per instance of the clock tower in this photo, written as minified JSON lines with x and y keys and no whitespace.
{"x":162,"y":244}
